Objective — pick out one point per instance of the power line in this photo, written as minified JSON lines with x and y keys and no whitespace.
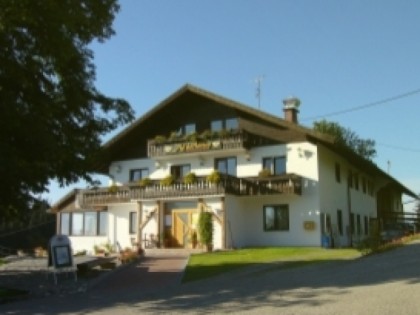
{"x":395,"y":147}
{"x":361,"y":107}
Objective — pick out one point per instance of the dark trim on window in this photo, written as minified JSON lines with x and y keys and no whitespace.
{"x":276,"y":217}
{"x":133,"y":222}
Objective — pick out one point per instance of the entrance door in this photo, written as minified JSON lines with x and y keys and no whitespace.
{"x":184,"y":228}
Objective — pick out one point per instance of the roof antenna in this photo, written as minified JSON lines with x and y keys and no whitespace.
{"x":258,"y":81}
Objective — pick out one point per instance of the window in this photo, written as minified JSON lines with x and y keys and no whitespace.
{"x":351,"y":223}
{"x":276,"y":218}
{"x":189,"y":129}
{"x":133,"y":222}
{"x":77,"y":224}
{"x":216,"y":125}
{"x":356,"y":181}
{"x":65,"y":223}
{"x":90,"y":223}
{"x":350,"y":179}
{"x":186,"y":129}
{"x":276,"y":165}
{"x":226,"y":165}
{"x":337,"y":173}
{"x":231,"y":124}
{"x":139,"y":173}
{"x":179,"y":171}
{"x":340,"y":221}
{"x":103,"y":223}
{"x":366,"y":225}
{"x":358,"y":225}
{"x":226,"y":124}
{"x":364,"y":185}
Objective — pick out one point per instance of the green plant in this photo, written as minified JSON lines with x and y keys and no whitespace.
{"x":207,"y":265}
{"x":160,"y":139}
{"x":174,"y":136}
{"x":207,"y":134}
{"x":145,"y":182}
{"x":167,"y":181}
{"x":205,"y":229}
{"x":190,"y":178}
{"x":113,"y":189}
{"x":192,"y":137}
{"x":214,"y":177}
{"x":265,"y":172}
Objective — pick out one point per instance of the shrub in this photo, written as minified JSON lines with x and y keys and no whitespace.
{"x":265,"y":172}
{"x":190,"y":178}
{"x":113,"y":189}
{"x":167,"y":181}
{"x":145,"y":182}
{"x":214,"y":177}
{"x":205,"y":229}
{"x":160,"y":139}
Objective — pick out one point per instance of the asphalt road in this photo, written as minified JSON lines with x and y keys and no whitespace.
{"x":388,"y":283}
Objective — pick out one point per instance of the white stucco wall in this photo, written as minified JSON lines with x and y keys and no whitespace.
{"x":87,"y":243}
{"x":118,"y":224}
{"x":336,"y":195}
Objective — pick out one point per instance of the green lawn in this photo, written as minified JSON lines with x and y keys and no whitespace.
{"x":210,"y":264}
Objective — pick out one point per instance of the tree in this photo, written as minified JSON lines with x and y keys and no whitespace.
{"x":347,"y":138}
{"x":205,"y":229}
{"x":52,"y":116}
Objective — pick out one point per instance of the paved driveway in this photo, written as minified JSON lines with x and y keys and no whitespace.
{"x":382,"y":284}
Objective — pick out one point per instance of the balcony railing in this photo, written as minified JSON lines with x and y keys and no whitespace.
{"x":289,"y":184}
{"x":235,"y":140}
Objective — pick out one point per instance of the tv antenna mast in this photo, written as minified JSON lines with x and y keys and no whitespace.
{"x":258,"y":81}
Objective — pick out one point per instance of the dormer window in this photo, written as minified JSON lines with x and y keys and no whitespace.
{"x":225,"y":124}
{"x":189,"y":129}
{"x":231,"y":124}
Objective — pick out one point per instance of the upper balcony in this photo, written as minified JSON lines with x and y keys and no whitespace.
{"x":286,"y":184}
{"x":197,"y":143}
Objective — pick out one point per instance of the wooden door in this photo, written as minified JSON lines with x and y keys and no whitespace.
{"x":184,"y":225}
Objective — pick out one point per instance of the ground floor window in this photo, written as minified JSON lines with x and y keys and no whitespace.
{"x":276,"y":217}
{"x":133,"y":222}
{"x":88,"y":223}
{"x":340,"y":221}
{"x":366,"y":225}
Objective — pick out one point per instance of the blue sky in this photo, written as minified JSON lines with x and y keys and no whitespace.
{"x":333,"y":55}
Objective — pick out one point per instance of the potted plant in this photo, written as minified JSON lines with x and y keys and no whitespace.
{"x":214,"y":177}
{"x":265,"y":172}
{"x":144,"y":182}
{"x":207,"y":134}
{"x":113,"y":189}
{"x":190,"y":178}
{"x":160,"y":139}
{"x":167,"y":181}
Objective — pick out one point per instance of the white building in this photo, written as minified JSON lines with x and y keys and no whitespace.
{"x":312,"y":191}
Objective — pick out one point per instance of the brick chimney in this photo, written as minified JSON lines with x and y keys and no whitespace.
{"x":291,"y":109}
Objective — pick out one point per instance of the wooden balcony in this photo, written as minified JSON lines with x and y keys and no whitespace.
{"x":237,"y":140}
{"x":288,"y":184}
